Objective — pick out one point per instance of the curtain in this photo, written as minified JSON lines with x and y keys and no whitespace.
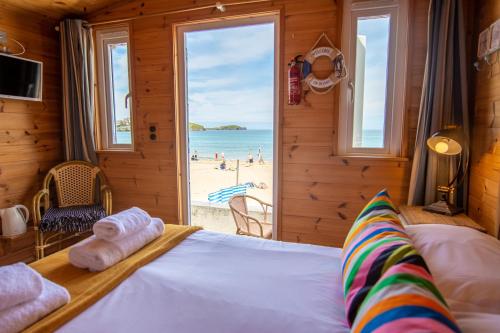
{"x":444,"y":100}
{"x":78,"y":90}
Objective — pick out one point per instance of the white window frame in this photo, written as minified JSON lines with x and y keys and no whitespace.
{"x":104,"y":37}
{"x":396,"y":75}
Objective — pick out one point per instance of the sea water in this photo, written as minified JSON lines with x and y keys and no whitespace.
{"x":234,"y":144}
{"x":238,"y":144}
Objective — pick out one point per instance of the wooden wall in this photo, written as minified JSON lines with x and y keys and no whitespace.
{"x":484,"y":205}
{"x":30,"y":132}
{"x":321,"y":193}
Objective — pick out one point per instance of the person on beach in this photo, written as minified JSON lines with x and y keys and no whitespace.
{"x":250,"y":158}
{"x":261,"y":155}
{"x":195,"y":156}
{"x":222,"y":156}
{"x":223,"y":165}
{"x":216,"y":156}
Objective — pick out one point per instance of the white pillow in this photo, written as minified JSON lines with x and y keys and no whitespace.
{"x":465,"y":264}
{"x":473,"y":322}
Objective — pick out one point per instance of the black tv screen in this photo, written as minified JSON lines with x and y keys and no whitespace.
{"x":20,"y":78}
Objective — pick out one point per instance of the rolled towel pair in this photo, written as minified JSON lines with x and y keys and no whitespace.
{"x":121,"y":225}
{"x":48,"y":297}
{"x":99,"y":254}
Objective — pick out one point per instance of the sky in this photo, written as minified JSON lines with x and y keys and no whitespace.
{"x":376,"y":32}
{"x":119,"y":60}
{"x":231,"y":75}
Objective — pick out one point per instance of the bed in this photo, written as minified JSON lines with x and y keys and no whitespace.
{"x":231,"y":283}
{"x":211,"y":282}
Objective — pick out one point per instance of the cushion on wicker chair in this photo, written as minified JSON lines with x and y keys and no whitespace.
{"x":71,"y":219}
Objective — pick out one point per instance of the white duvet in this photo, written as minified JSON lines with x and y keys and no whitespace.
{"x":223,"y":283}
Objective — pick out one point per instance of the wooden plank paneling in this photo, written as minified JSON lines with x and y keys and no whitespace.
{"x":57,"y":9}
{"x":484,"y":204}
{"x":321,"y":192}
{"x":30,"y":132}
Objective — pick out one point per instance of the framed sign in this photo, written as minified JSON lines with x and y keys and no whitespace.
{"x":483,"y":43}
{"x":495,"y":36}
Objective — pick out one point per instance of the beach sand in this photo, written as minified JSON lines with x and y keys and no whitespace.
{"x":206,"y":177}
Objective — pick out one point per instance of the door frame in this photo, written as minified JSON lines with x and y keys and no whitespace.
{"x":182,"y":130}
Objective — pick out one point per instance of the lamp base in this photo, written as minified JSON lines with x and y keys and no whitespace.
{"x":444,"y":208}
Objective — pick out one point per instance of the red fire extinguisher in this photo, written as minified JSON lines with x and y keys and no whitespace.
{"x":294,"y":78}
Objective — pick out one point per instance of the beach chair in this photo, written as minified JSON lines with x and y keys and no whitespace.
{"x":248,"y":225}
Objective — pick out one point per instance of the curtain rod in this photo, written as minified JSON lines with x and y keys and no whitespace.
{"x":217,"y":6}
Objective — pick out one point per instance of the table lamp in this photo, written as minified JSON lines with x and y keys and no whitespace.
{"x":449,"y":141}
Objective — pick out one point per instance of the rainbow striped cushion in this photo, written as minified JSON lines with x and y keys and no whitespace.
{"x":406,"y":300}
{"x":374,"y":243}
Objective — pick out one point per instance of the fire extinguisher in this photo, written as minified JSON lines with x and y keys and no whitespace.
{"x":294,"y":80}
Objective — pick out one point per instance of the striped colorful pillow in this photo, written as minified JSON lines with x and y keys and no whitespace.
{"x":406,"y":300}
{"x":374,"y":243}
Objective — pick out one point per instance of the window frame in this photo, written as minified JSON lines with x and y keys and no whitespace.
{"x":104,"y":37}
{"x":396,"y":75}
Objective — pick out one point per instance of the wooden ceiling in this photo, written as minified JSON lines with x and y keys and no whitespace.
{"x":60,"y":8}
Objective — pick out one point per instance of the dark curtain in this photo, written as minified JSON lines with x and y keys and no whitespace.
{"x":444,"y":101}
{"x":78,"y":90}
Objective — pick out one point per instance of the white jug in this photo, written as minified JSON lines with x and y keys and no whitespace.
{"x":13,"y":222}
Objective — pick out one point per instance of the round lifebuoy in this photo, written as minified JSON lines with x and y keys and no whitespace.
{"x":323,"y":86}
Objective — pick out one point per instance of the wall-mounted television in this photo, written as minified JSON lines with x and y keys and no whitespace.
{"x":20,"y":78}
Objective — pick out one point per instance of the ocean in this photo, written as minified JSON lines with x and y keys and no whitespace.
{"x":234,"y":144}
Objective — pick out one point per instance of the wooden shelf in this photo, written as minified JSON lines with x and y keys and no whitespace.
{"x":18,"y":248}
{"x":416,"y":215}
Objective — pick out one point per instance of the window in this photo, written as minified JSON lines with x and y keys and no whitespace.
{"x":372,"y":97}
{"x":114,"y":89}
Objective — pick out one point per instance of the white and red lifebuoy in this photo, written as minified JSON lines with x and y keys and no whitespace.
{"x":323,"y":86}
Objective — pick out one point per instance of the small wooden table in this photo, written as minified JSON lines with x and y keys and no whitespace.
{"x":416,"y":215}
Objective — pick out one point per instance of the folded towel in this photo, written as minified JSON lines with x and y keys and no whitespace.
{"x":18,"y":283}
{"x":98,"y":254}
{"x":18,"y":317}
{"x":121,"y":225}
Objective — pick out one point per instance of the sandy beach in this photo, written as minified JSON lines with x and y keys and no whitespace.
{"x":206,"y":177}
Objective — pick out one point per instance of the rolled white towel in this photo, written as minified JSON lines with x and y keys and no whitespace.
{"x":122,"y":224}
{"x":98,"y":254}
{"x":18,"y":283}
{"x":19,"y":317}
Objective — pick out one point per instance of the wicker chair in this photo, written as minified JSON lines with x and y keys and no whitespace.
{"x":248,"y":225}
{"x":76,"y":210}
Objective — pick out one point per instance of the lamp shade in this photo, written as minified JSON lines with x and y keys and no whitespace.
{"x":447,"y":141}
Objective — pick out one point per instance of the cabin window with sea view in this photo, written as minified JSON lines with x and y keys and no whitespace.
{"x":230,"y":85}
{"x":372,"y":98}
{"x":115,"y":94}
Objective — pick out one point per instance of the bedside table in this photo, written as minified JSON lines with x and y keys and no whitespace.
{"x":416,"y":215}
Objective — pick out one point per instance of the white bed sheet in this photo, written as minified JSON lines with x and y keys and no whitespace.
{"x":220,"y":283}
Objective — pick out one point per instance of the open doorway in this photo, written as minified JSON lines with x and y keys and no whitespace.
{"x":227,"y":123}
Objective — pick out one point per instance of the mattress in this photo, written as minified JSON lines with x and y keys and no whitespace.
{"x":220,"y":283}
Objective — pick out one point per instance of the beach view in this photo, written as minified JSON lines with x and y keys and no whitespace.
{"x":230,"y":95}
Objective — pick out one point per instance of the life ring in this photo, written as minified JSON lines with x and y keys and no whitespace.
{"x":323,"y":86}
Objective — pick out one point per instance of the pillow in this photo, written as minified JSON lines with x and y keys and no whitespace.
{"x":465,"y":264}
{"x":375,"y":241}
{"x":405,"y":299}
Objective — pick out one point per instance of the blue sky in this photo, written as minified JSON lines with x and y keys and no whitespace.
{"x":231,"y":75}
{"x":376,"y":32}
{"x":120,"y":79}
